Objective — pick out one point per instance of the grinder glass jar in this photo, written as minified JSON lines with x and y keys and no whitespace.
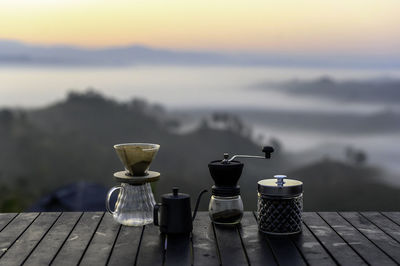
{"x":280,"y":205}
{"x":226,"y":206}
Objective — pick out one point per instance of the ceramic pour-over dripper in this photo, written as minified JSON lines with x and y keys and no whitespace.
{"x":136,"y":157}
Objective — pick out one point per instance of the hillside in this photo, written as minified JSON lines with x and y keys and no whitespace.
{"x":72,"y":140}
{"x":336,"y":186}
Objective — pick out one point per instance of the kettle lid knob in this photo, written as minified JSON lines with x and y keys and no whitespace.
{"x":175,"y":191}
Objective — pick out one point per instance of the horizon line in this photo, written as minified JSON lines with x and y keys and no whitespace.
{"x":208,"y":51}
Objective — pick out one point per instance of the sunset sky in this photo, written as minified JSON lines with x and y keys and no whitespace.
{"x":355,"y":26}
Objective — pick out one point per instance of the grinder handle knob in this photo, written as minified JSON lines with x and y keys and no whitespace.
{"x":268,"y":150}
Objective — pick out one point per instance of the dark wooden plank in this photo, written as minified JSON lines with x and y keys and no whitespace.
{"x":126,"y":246}
{"x":53,"y":240}
{"x":394,"y":216}
{"x":258,"y":250}
{"x":230,"y":246}
{"x":312,"y":250}
{"x":152,"y":247}
{"x":101,"y":245}
{"x":74,"y":247}
{"x":5,"y":218}
{"x":336,"y":246}
{"x":384,"y":223}
{"x":179,"y":249}
{"x":14,"y":229}
{"x":364,"y":247}
{"x":18,"y":252}
{"x":204,"y":247}
{"x":387,"y":244}
{"x":285,"y":251}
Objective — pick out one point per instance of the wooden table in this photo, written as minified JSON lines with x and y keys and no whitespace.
{"x":93,"y":238}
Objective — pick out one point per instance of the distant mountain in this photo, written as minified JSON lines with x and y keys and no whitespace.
{"x":379,"y":90}
{"x":18,"y":53}
{"x":336,"y":186}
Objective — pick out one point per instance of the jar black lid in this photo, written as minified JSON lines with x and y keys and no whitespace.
{"x":280,"y":187}
{"x":225,"y":191}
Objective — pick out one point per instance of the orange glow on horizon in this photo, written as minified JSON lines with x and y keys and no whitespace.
{"x":285,"y":25}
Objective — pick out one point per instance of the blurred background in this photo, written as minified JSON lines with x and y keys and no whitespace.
{"x":318,"y":80}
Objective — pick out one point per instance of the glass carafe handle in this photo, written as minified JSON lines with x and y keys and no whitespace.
{"x":108,"y":198}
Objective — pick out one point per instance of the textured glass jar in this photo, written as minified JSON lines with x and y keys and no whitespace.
{"x":280,"y":206}
{"x":134,"y":206}
{"x":226,"y":210}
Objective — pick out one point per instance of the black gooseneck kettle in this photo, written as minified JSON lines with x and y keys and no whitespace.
{"x":175,"y":212}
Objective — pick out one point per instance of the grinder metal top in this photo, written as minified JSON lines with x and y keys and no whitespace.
{"x":226,"y":172}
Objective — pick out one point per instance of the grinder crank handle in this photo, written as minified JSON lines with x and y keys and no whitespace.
{"x":266,"y":149}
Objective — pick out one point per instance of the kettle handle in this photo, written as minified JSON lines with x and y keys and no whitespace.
{"x":198,"y":202}
{"x":155,"y":213}
{"x":108,"y":198}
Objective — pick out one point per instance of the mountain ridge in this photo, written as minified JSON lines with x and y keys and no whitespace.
{"x":19,"y":53}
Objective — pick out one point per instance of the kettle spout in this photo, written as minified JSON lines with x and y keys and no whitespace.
{"x":198,"y":202}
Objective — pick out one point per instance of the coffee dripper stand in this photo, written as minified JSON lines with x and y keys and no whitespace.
{"x":226,"y":205}
{"x":135,"y":202}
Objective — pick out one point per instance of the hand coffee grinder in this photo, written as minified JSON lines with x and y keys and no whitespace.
{"x":226,"y":206}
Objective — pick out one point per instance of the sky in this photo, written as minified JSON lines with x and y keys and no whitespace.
{"x":295,"y":26}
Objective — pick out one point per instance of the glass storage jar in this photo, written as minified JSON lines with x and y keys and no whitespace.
{"x":226,"y":206}
{"x":280,"y":205}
